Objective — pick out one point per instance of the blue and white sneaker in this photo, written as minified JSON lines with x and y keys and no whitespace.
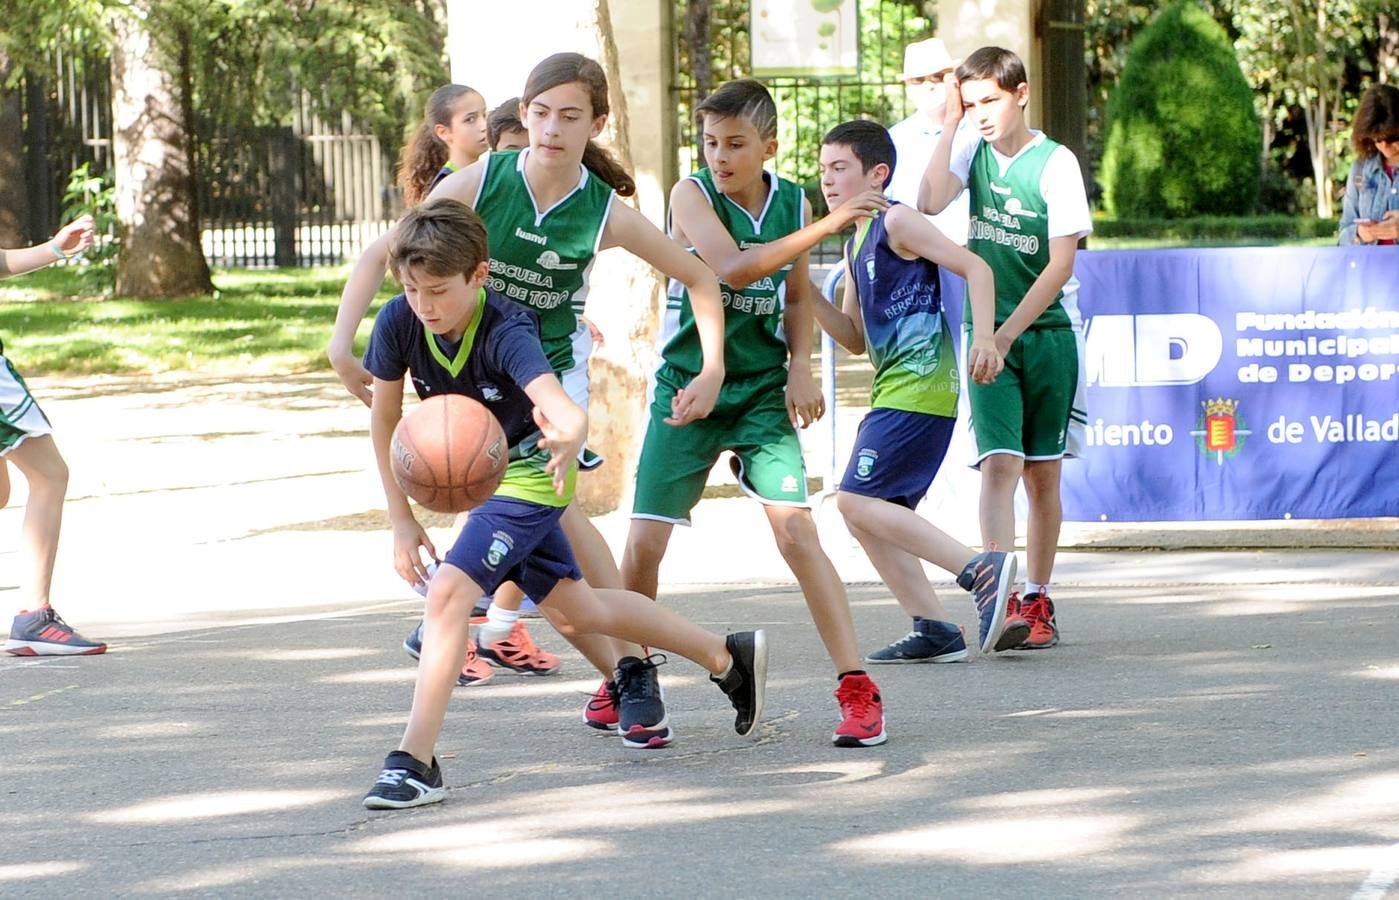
{"x":405,"y":782}
{"x":930,"y":641}
{"x":43,"y":633}
{"x":989,"y":577}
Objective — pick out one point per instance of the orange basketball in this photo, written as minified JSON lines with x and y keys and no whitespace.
{"x":449,"y":453}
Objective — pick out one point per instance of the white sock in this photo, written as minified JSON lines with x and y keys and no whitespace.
{"x":498,"y":624}
{"x":1032,"y":588}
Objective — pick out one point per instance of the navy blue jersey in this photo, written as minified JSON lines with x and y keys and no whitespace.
{"x":498,"y":355}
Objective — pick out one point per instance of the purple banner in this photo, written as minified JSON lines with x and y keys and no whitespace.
{"x":1245,"y":383}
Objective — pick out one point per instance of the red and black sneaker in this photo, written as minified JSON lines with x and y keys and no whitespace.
{"x":601,"y":711}
{"x":43,"y":633}
{"x":1016,"y":629}
{"x":518,"y":652}
{"x":861,"y":713}
{"x":1038,"y":610}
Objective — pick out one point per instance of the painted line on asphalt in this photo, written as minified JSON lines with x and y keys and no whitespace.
{"x":1381,"y":879}
{"x":35,"y":698}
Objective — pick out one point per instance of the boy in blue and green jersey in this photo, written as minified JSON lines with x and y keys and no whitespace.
{"x":893,"y":308}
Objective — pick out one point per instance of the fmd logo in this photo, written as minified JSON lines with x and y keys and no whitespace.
{"x":1151,"y":350}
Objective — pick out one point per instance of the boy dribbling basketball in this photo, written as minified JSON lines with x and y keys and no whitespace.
{"x":451,"y":335}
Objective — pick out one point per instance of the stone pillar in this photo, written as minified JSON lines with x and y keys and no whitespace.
{"x":1002,"y":23}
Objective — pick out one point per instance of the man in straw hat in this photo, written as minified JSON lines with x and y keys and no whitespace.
{"x":925,"y":63}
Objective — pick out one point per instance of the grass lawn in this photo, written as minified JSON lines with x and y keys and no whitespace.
{"x":261,"y":322}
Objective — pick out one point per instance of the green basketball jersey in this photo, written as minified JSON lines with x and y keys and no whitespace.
{"x":1010,"y":228}
{"x":541,"y":258}
{"x":753,"y":338}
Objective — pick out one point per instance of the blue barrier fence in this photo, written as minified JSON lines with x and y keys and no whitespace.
{"x":1242,"y":383}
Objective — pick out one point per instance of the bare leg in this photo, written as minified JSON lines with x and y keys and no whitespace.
{"x":903,"y":573}
{"x":450,"y":597}
{"x":43,"y":467}
{"x":647,"y":540}
{"x":1000,"y":473}
{"x":1046,"y":517}
{"x":576,"y":606}
{"x":600,"y":570}
{"x":4,"y":484}
{"x":825,"y":595}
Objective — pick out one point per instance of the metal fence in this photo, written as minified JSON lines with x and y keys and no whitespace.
{"x":306,"y":193}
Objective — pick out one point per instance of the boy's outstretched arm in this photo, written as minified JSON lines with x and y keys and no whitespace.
{"x":630,"y":229}
{"x":563,"y":423}
{"x":911,"y":234}
{"x":365,"y":280}
{"x":939,"y":186}
{"x":71,"y":239}
{"x":805,"y":402}
{"x":844,"y":325}
{"x":695,"y":218}
{"x":384,"y":413}
{"x":1042,"y":293}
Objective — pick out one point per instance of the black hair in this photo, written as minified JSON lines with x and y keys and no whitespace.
{"x":505,"y":117}
{"x":1377,"y":117}
{"x":742,"y":99}
{"x":869,"y":141}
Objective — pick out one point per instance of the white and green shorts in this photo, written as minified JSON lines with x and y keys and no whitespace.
{"x":20,"y":417}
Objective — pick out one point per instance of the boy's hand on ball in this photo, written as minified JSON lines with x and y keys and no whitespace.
{"x":408,"y":536}
{"x":695,"y":400}
{"x":563,"y":449}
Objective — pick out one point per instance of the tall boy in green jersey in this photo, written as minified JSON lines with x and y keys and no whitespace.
{"x":893,"y":308}
{"x":750,"y":227}
{"x":1028,"y":212}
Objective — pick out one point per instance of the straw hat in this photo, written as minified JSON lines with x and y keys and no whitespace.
{"x":926,"y":58}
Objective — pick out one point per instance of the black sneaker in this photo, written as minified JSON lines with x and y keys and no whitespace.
{"x":989,"y":577}
{"x":642,"y":721}
{"x":746,"y":680}
{"x":930,"y":641}
{"x":405,"y":782}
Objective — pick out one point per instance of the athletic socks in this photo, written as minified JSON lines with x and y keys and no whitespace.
{"x":498,"y":624}
{"x":1032,"y":588}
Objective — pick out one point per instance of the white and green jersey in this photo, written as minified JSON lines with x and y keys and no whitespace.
{"x":1017,"y":205}
{"x":541,"y":258}
{"x":754,"y":341}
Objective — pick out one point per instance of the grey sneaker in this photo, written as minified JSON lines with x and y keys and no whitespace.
{"x":989,"y":577}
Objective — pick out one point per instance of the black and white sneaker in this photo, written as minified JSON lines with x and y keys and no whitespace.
{"x":405,"y":782}
{"x":746,"y":680}
{"x":642,"y":720}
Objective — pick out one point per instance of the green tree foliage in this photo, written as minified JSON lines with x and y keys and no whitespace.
{"x":1182,"y":134}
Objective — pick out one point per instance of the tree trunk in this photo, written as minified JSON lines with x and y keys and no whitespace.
{"x":12,"y":199}
{"x":630,"y":292}
{"x":1387,"y":59}
{"x":158,"y":227}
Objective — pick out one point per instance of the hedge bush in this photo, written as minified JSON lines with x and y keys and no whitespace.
{"x":1182,"y":134}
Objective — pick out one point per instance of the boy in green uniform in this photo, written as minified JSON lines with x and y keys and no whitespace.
{"x":1028,"y":212}
{"x":751,"y":227}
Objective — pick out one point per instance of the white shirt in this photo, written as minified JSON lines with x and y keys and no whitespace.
{"x":914,"y":140}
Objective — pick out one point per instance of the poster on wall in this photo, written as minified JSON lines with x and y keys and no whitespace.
{"x":804,"y":38}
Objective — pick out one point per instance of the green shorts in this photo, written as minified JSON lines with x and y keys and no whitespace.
{"x":1029,"y":409}
{"x":749,"y":419}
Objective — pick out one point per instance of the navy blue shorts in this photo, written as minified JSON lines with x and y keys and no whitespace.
{"x":896,"y":455}
{"x":514,"y":540}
